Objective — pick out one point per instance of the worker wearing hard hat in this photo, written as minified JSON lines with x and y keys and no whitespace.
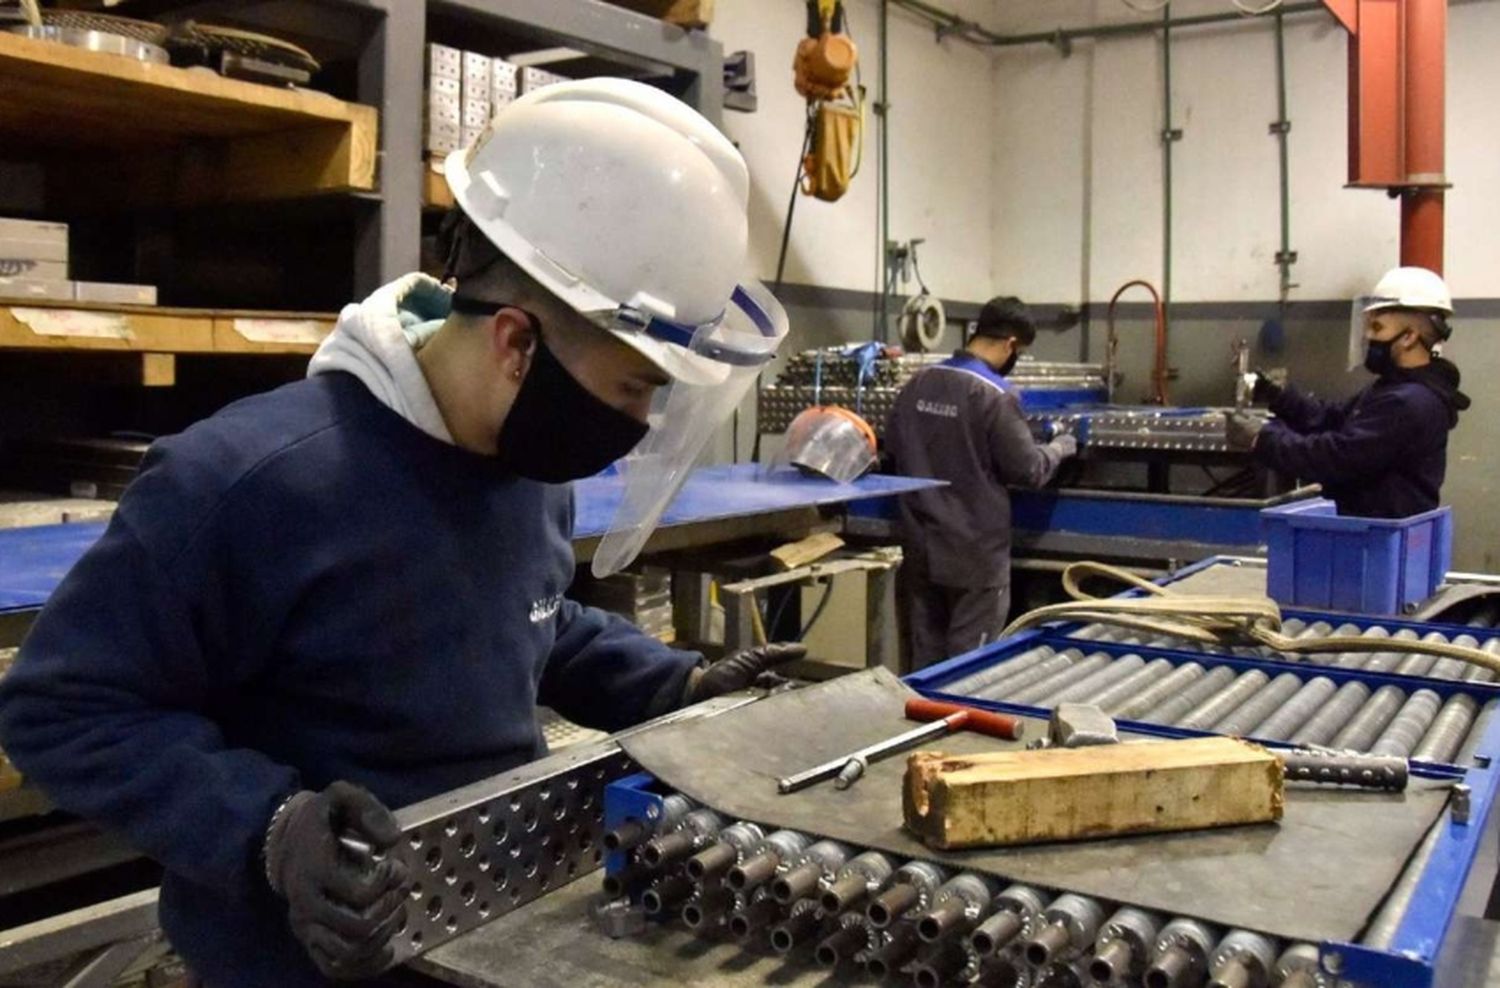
{"x":961,"y":421}
{"x":348,"y":595}
{"x":1383,"y":453}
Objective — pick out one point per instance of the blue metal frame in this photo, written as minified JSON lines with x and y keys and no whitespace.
{"x":1410,"y":958}
{"x":1230,"y":525}
{"x":627,"y":799}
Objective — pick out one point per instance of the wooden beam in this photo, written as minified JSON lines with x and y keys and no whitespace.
{"x":1024,"y":797}
{"x":158,"y":370}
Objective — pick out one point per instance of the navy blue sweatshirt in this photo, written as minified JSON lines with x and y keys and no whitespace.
{"x":1383,"y":453}
{"x":305,"y":588}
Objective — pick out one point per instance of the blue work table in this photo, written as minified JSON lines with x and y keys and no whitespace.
{"x":717,"y":504}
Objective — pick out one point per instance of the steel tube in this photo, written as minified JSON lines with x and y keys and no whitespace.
{"x":1327,"y":722}
{"x":1413,"y":720}
{"x":668,"y":894}
{"x":706,"y":910}
{"x":842,"y":945}
{"x":1424,"y":47}
{"x":997,"y":932}
{"x":897,"y":950}
{"x":712,"y":861}
{"x":1132,"y":685}
{"x":1360,"y":733}
{"x":1388,"y":661}
{"x":668,"y":848}
{"x":754,"y":916}
{"x":1302,"y":706}
{"x":1357,"y":660}
{"x":1050,"y":666}
{"x":1076,"y":672}
{"x":892,"y":904}
{"x":1448,"y":730}
{"x":1445,"y":668}
{"x":1172,"y":708}
{"x":1106,"y":676}
{"x":1129,"y":708}
{"x":796,"y":929}
{"x":999,"y":671}
{"x":940,"y":963}
{"x":1257,"y":708}
{"x":1476,"y":733}
{"x":1224,"y":702}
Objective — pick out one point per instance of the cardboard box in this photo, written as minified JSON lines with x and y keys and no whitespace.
{"x":444,"y":62}
{"x":26,"y":267}
{"x":476,"y":113}
{"x":476,"y":79}
{"x":34,"y":250}
{"x":533,"y":78}
{"x":114,"y":294}
{"x":438,"y":87}
{"x":52,"y":233}
{"x":504,"y":77}
{"x":34,"y":289}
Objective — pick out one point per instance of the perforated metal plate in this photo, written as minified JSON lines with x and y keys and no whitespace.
{"x":482,"y":851}
{"x":506,"y":845}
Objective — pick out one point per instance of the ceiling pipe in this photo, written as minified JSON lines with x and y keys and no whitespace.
{"x":1422,"y":212}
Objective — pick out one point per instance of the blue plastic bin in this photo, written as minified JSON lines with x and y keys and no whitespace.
{"x":1321,"y":561}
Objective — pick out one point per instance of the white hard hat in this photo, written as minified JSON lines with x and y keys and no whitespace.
{"x":623,"y":202}
{"x":1411,"y":288}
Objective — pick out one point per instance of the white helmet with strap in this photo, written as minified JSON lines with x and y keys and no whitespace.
{"x":621,"y":201}
{"x":1411,"y":288}
{"x":630,"y":207}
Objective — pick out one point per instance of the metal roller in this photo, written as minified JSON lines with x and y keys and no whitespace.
{"x":1171,"y":708}
{"x":898,"y":945}
{"x":853,"y":937}
{"x":1078,"y":671}
{"x":1069,"y":926}
{"x":1476,"y":733}
{"x":1297,"y":967}
{"x":912,"y":887}
{"x":1303,"y":705}
{"x":1450,"y":668}
{"x":1356,"y":660}
{"x":1015,"y":910}
{"x":1131,"y":707}
{"x":734,"y":842}
{"x":1388,"y":661}
{"x":1242,"y":960}
{"x":1327,"y":722}
{"x":1048,"y":667}
{"x":958,"y":907}
{"x":1132,"y":685}
{"x":864,"y":875}
{"x":1106,"y":676}
{"x":940,"y":963}
{"x":811,"y":872}
{"x":1448,"y":730}
{"x":999,"y":671}
{"x":1388,"y":773}
{"x":1479,"y":674}
{"x":1224,"y":702}
{"x":1413,"y":720}
{"x":773,"y":856}
{"x":1124,"y":946}
{"x":1181,"y":956}
{"x":1257,"y":708}
{"x":633,"y":833}
{"x":802,"y":923}
{"x":1360,"y":733}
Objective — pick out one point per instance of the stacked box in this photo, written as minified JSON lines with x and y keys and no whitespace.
{"x":476,"y":95}
{"x":505,"y":84}
{"x":643,"y":598}
{"x":533,"y":78}
{"x":114,"y":294}
{"x":445,"y":74}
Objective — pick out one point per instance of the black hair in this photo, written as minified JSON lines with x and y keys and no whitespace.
{"x":1006,"y":317}
{"x":482,"y":272}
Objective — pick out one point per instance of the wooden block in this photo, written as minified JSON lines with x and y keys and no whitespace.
{"x":158,"y":370}
{"x":808,"y":550}
{"x":1025,"y":797}
{"x":683,"y":13}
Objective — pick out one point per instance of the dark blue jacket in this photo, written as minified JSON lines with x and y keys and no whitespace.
{"x":1381,"y":454}
{"x":306,"y":588}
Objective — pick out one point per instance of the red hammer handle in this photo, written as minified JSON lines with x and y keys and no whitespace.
{"x":1001,"y":726}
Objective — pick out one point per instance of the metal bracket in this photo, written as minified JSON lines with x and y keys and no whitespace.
{"x":1062,"y":43}
{"x":1460,"y":804}
{"x":1171,"y":135}
{"x":739,"y":82}
{"x":1286,"y":257}
{"x":1280,"y":127}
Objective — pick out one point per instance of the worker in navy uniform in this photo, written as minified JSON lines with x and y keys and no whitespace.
{"x":961,"y":421}
{"x":1383,"y":453}
{"x":348,"y":595}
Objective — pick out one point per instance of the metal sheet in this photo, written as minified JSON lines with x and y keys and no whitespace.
{"x":1318,"y":875}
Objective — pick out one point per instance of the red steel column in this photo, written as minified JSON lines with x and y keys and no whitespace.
{"x":1425,"y":31}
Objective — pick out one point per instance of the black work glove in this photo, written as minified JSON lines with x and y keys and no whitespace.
{"x":1242,"y":430}
{"x":743,"y":669}
{"x":344,"y":906}
{"x":1265,"y":390}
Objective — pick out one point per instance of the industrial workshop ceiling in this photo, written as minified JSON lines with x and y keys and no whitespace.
{"x":1026,"y":16}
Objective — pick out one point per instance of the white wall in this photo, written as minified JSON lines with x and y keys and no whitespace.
{"x":1079,"y":177}
{"x":942,"y":151}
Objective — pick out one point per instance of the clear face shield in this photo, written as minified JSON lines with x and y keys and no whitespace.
{"x":728,"y":355}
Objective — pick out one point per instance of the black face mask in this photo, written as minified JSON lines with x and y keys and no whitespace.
{"x":1379,"y":358}
{"x":558,"y":431}
{"x":1010,"y":363}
